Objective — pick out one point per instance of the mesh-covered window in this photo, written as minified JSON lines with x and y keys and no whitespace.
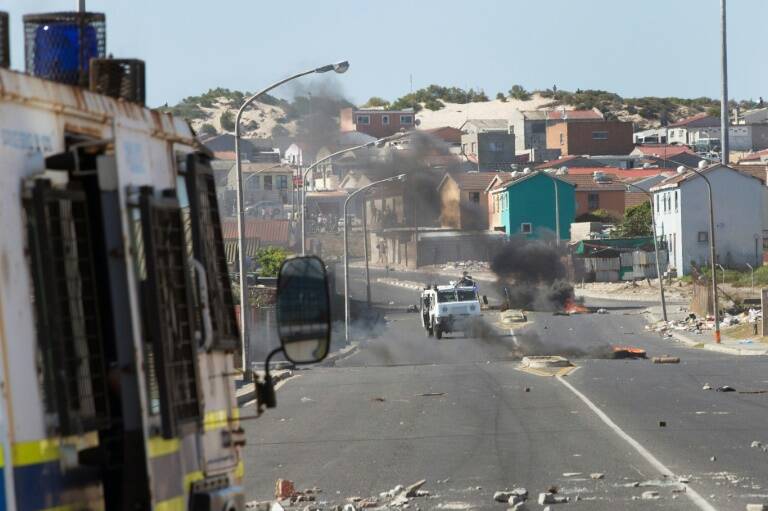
{"x":208,"y":246}
{"x":67,"y":316}
{"x":168,"y":307}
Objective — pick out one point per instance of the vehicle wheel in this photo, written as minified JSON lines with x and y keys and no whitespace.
{"x":438,"y":332}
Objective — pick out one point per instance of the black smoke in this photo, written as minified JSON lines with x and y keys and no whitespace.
{"x":532,"y":275}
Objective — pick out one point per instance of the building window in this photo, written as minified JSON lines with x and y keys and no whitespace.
{"x":282,"y":182}
{"x":593,"y":201}
{"x":526,"y":228}
{"x":363,"y":119}
{"x":676,"y":194}
{"x":472,"y":148}
{"x":254,"y":182}
{"x":562,"y":138}
{"x":703,"y":237}
{"x":474,"y":197}
{"x":496,"y":147}
{"x":267,"y":182}
{"x":599,"y":135}
{"x":385,"y":120}
{"x":406,"y":119}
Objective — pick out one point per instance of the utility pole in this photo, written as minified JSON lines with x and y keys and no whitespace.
{"x":724,"y":123}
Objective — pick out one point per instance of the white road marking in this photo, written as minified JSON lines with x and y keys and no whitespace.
{"x":692,"y":494}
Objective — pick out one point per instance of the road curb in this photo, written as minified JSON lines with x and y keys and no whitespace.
{"x":585,"y":293}
{"x":343,"y":353}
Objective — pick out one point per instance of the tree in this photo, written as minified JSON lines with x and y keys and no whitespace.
{"x":598,"y":215}
{"x":227,"y":121}
{"x":637,"y":222}
{"x":375,"y":101}
{"x":501,"y":97}
{"x":269,"y":260}
{"x":207,"y":129}
{"x":518,"y":92}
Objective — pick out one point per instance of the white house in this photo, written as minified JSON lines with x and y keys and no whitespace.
{"x":697,"y":127}
{"x":682,"y":217}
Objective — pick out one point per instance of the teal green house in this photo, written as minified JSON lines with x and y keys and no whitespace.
{"x":524,"y":205}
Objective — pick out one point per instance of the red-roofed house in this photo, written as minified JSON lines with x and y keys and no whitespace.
{"x":660,"y":150}
{"x":575,"y":115}
{"x":593,"y":137}
{"x":258,"y":233}
{"x":464,"y":199}
{"x":599,"y":190}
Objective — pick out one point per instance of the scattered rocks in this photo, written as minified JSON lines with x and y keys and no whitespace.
{"x":411,"y":490}
{"x":546,"y":498}
{"x":725,"y":388}
{"x":756,"y":445}
{"x":502,"y":496}
{"x":571,"y":474}
{"x":520,"y":492}
{"x":597,"y":475}
{"x":706,"y":386}
{"x":713,"y":458}
{"x":757,"y":507}
{"x":650,"y":495}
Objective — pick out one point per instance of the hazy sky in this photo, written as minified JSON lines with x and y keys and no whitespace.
{"x":650,"y":47}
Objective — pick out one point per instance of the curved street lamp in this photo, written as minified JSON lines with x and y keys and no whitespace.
{"x":339,"y":67}
{"x":374,"y":143}
{"x":400,"y":177}
{"x":655,"y":249}
{"x":681,"y":170}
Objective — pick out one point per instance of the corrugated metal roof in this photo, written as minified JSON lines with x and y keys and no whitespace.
{"x":697,"y":121}
{"x":586,"y":182}
{"x":488,"y":124}
{"x":662,"y":150}
{"x":268,"y":231}
{"x":574,"y":115}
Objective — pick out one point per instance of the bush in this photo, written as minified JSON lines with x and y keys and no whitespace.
{"x":227,"y":121}
{"x":376,"y":101}
{"x":637,"y":222}
{"x":501,"y":97}
{"x":518,"y":92}
{"x":269,"y":260}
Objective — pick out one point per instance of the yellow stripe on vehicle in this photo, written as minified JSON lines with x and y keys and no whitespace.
{"x":159,"y":446}
{"x":174,"y":504}
{"x":219,"y":419}
{"x":192,"y":477}
{"x":35,"y":452}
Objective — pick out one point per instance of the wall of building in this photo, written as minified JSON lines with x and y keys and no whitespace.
{"x":610,"y":200}
{"x":450,"y":211}
{"x":578,"y":137}
{"x":533,"y":201}
{"x":382,"y":123}
{"x":739,"y":216}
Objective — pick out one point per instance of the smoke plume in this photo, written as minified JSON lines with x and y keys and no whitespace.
{"x":532,"y":275}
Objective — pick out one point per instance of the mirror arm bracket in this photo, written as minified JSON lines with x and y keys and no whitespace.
{"x":265,"y":390}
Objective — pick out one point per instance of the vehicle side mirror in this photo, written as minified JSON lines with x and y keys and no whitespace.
{"x":303,"y":310}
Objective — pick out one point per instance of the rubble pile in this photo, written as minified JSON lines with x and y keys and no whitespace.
{"x":697,"y":325}
{"x":467,"y":266}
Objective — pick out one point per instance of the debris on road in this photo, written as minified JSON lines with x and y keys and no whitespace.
{"x":662,"y":424}
{"x":713,"y":458}
{"x":597,"y":475}
{"x":378,"y":399}
{"x":602,"y":310}
{"x":571,"y":474}
{"x":502,"y":496}
{"x":431,"y":394}
{"x":665,"y":359}
{"x":284,"y":489}
{"x":626,"y":351}
{"x":756,"y":444}
{"x":725,"y":388}
{"x":410,"y":491}
{"x":412,"y":308}
{"x":706,"y":386}
{"x":757,"y":507}
{"x":650,"y":495}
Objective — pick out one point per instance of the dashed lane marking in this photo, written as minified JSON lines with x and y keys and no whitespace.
{"x":692,"y":494}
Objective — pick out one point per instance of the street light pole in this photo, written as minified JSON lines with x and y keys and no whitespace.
{"x":656,"y":250}
{"x":400,"y":177}
{"x":724,"y":113}
{"x":375,"y":143}
{"x":339,"y":67}
{"x":713,"y":261}
{"x":557,"y":208}
{"x":365,"y":254}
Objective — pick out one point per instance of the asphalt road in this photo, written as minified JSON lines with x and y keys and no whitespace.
{"x":456,"y":412}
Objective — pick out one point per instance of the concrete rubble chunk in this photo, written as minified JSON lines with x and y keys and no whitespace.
{"x":596,"y":475}
{"x":756,"y":444}
{"x":276,"y":506}
{"x":571,"y":474}
{"x":369,"y":502}
{"x":284,"y":489}
{"x":706,"y":386}
{"x":757,"y":507}
{"x":546,"y":498}
{"x":650,"y":495}
{"x":520,"y":506}
{"x":411,"y":490}
{"x":515,"y":499}
{"x":502,"y":496}
{"x":520,"y":492}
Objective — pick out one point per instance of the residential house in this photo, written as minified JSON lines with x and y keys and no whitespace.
{"x":682,"y":217}
{"x":651,"y":136}
{"x":530,"y":128}
{"x":376,"y":122}
{"x":563,"y":115}
{"x":259,"y":233}
{"x":524,"y":205}
{"x":600,"y":190}
{"x":448,"y":135}
{"x":696,"y":126}
{"x":634,"y":197}
{"x":755,"y":116}
{"x":590,"y":137}
{"x":267,"y":187}
{"x":464,"y":200}
{"x":254,"y":150}
{"x":488,"y":143}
